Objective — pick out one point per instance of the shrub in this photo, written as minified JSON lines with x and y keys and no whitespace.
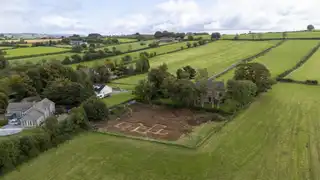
{"x":95,"y":109}
{"x":230,"y":106}
{"x":312,"y":82}
{"x":242,"y":91}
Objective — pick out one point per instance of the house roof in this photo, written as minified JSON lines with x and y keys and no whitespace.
{"x":43,"y":104}
{"x":98,"y":87}
{"x":213,"y":84}
{"x":21,"y":106}
{"x":32,"y":115}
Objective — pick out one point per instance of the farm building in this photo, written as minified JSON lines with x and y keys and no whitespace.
{"x":215,"y":92}
{"x":77,"y":42}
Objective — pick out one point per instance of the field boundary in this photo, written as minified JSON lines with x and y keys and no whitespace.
{"x":246,"y":60}
{"x":299,"y":64}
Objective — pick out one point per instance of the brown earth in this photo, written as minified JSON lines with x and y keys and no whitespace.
{"x":156,"y":122}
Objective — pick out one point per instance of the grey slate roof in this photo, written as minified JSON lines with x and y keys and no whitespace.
{"x":32,"y":115}
{"x":98,"y":87}
{"x":19,"y":106}
{"x":213,"y":84}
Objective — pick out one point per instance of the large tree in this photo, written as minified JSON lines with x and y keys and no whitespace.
{"x":255,"y":72}
{"x":65,"y":92}
{"x":95,"y":109}
{"x":3,"y":62}
{"x":242,"y":91}
{"x":310,"y":27}
{"x":145,"y":91}
{"x":21,"y":85}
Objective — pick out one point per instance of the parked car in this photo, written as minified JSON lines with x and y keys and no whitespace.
{"x":14,"y":122}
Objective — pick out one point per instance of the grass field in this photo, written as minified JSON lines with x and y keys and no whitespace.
{"x":283,"y":57}
{"x":128,"y":46}
{"x":118,"y":98}
{"x":312,"y":34}
{"x":309,"y":70}
{"x":124,"y":40}
{"x":58,"y":57}
{"x":135,"y":55}
{"x":274,"y":146}
{"x":32,"y":51}
{"x":30,"y":41}
{"x":215,"y":57}
{"x":5,"y":47}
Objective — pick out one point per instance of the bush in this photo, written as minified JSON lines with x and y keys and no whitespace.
{"x":3,"y":122}
{"x":95,"y":109}
{"x":230,"y":106}
{"x":312,"y":82}
{"x":242,"y":91}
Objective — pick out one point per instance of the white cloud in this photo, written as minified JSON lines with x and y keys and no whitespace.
{"x":174,"y":15}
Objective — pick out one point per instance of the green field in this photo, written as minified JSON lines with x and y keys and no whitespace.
{"x":135,"y":55}
{"x":122,"y":86}
{"x":283,"y":57}
{"x":5,"y":47}
{"x":309,"y":70}
{"x":302,"y":34}
{"x":276,"y":138}
{"x":125,"y":40}
{"x":32,"y":51}
{"x":118,"y":99}
{"x":215,"y":57}
{"x":58,"y":57}
{"x":128,"y":46}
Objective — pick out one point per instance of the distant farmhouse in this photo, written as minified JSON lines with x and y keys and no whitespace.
{"x":102,"y":90}
{"x":29,"y":114}
{"x":166,"y":39}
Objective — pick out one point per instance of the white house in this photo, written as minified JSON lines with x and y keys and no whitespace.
{"x":102,"y":90}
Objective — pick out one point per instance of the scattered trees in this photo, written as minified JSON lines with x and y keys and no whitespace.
{"x":3,"y":62}
{"x":77,"y":49}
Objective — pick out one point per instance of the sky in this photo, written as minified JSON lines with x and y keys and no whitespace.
{"x":147,"y":16}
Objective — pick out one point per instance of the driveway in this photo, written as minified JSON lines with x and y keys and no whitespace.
{"x":10,"y":130}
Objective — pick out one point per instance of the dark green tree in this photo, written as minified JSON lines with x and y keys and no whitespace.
{"x":257,"y":73}
{"x":95,"y":109}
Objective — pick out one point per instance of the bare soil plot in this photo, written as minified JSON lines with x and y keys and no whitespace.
{"x":156,"y":122}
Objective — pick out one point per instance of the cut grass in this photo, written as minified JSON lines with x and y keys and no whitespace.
{"x":128,"y":46}
{"x":215,"y":57}
{"x":32,"y":51}
{"x":276,"y":138}
{"x":122,"y":86}
{"x":5,"y":47}
{"x":125,"y":40}
{"x":309,"y":70}
{"x":283,"y":57}
{"x":116,"y":99}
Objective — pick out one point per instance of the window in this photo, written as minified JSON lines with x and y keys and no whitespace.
{"x":209,"y":99}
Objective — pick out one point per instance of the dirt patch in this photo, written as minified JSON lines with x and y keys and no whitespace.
{"x":156,"y":122}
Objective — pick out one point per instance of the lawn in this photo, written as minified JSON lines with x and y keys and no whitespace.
{"x":262,"y":142}
{"x":116,"y":99}
{"x":58,"y":57}
{"x":32,"y":51}
{"x":122,"y":86}
{"x":215,"y":57}
{"x":135,"y":55}
{"x":283,"y":57}
{"x":309,"y":70}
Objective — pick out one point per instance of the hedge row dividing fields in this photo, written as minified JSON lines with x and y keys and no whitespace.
{"x":283,"y":57}
{"x":309,"y":70}
{"x":215,"y":57}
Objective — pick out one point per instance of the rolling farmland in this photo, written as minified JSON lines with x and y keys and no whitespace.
{"x":309,"y":70}
{"x":276,"y":145}
{"x":128,"y":46}
{"x":32,"y":51}
{"x":215,"y":57}
{"x":58,"y":57}
{"x":283,"y":57}
{"x":135,"y":55}
{"x":276,"y":35}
